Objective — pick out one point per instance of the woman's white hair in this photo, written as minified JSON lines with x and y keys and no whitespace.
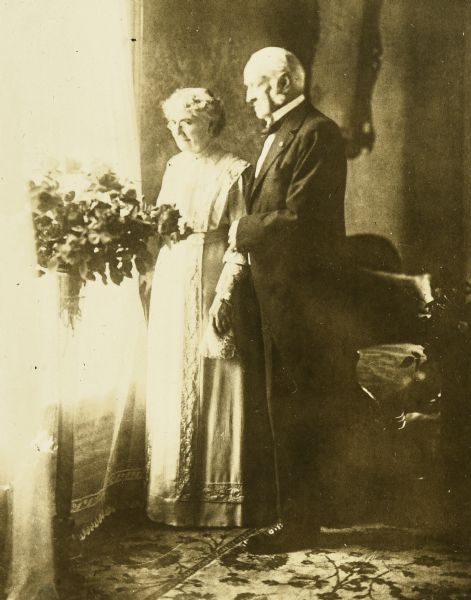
{"x":199,"y":102}
{"x":272,"y":62}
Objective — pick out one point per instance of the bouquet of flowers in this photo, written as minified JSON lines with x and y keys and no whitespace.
{"x":95,"y":225}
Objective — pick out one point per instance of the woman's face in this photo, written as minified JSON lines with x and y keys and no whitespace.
{"x":189,"y":132}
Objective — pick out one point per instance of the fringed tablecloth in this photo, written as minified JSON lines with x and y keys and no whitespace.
{"x":103,"y":374}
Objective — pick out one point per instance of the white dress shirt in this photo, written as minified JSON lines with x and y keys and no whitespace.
{"x":276,"y":116}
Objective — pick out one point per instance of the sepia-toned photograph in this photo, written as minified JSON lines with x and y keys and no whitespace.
{"x":235,"y":302}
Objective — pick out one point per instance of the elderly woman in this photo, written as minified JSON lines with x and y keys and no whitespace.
{"x":206,"y":411}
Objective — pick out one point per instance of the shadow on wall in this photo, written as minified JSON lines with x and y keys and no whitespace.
{"x":207,"y":43}
{"x":410,"y":187}
{"x":346,"y":68}
{"x":359,"y":130}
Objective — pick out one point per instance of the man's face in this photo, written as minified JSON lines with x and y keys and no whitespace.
{"x":261,"y":94}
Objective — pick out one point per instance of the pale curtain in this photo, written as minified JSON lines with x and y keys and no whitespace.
{"x":67,"y":93}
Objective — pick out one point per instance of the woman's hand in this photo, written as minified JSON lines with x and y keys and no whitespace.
{"x":220,"y":315}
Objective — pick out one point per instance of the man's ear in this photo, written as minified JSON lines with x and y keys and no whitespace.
{"x":283,"y":85}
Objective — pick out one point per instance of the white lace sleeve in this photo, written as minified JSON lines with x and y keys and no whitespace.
{"x":231,"y":273}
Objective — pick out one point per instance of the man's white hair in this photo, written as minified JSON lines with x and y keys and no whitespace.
{"x":272,"y":62}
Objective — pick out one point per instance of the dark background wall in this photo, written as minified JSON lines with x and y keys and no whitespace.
{"x":390,"y":72}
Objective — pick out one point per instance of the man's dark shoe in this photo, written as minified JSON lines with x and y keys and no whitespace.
{"x":283,"y":538}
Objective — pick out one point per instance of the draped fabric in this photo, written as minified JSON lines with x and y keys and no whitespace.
{"x":28,"y":366}
{"x":109,"y":417}
{"x":68,"y":95}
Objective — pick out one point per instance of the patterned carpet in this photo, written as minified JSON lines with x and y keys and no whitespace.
{"x":131,"y":558}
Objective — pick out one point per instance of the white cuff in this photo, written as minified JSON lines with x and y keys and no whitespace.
{"x":234,"y":258}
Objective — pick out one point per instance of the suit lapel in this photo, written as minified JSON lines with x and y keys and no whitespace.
{"x":283,"y":138}
{"x":248,"y":193}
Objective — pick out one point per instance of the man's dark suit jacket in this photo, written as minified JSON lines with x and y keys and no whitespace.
{"x":294,"y":227}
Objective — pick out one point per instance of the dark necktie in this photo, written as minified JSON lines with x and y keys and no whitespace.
{"x":272,"y":128}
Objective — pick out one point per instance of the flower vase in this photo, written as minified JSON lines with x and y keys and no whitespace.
{"x":69,"y":297}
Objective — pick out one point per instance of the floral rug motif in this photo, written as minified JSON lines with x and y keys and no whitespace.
{"x":331,"y":574}
{"x":127,"y":560}
{"x":135,"y":558}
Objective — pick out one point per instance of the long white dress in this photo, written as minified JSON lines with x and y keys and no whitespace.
{"x":195,"y":404}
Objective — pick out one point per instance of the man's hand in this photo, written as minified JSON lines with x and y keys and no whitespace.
{"x":220,"y":315}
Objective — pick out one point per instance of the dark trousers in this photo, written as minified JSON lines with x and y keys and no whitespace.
{"x":314,"y":402}
{"x":296,"y":434}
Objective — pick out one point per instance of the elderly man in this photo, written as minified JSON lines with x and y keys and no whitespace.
{"x":295,"y":224}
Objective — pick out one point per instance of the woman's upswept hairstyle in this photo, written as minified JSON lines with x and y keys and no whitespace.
{"x":201,"y":103}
